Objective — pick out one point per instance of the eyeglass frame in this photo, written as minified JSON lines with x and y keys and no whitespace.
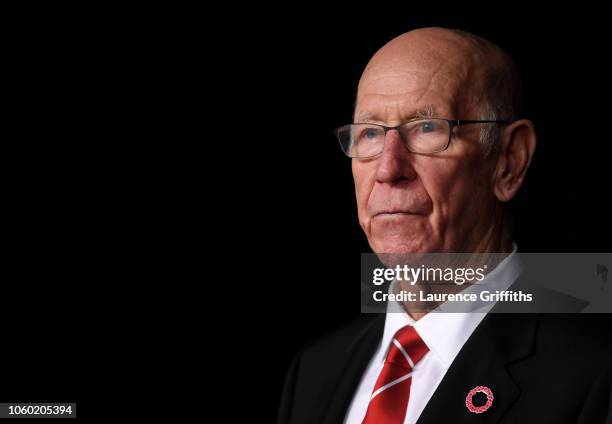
{"x":452,"y":123}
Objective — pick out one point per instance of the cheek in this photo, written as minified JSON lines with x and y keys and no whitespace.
{"x":439,"y":179}
{"x":455,"y":187}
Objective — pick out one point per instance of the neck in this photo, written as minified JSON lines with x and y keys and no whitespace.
{"x":492,"y":238}
{"x":495,"y":239}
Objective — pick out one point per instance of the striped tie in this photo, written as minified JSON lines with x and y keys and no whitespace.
{"x":389,"y":400}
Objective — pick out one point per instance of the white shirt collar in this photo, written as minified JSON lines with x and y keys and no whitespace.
{"x":445,"y":333}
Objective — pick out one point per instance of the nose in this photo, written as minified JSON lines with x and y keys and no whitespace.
{"x":395,"y":161}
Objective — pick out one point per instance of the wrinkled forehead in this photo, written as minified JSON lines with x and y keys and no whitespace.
{"x":401,"y":85}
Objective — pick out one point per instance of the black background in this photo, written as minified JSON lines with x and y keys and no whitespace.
{"x":119,"y":112}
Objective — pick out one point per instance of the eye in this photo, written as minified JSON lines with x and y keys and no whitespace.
{"x":370,"y":133}
{"x":428,"y":126}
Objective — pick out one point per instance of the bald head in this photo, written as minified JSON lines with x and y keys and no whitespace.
{"x":474,"y":77}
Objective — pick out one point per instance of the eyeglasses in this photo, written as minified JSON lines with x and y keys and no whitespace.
{"x":428,"y":135}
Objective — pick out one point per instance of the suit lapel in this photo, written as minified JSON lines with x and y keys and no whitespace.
{"x":484,"y":360}
{"x":355,"y":358}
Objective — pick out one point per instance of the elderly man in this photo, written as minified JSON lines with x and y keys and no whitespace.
{"x":437,"y":150}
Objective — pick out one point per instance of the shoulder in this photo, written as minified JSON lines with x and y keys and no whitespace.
{"x":580,"y":344}
{"x":344,"y":337}
{"x":578,"y":333}
{"x":318,"y":367}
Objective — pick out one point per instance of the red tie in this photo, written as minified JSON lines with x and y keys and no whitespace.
{"x":389,"y":399}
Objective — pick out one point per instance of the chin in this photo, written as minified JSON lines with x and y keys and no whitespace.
{"x":403,"y":236}
{"x":392,"y":251}
{"x":402,"y":246}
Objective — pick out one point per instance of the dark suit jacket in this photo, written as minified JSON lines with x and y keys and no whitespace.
{"x":541,"y":368}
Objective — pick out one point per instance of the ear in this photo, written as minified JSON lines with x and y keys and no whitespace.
{"x":518,"y":143}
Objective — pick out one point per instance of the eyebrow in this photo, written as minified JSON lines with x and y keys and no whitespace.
{"x":428,"y":111}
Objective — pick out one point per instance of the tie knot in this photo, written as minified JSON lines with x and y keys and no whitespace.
{"x":407,"y":348}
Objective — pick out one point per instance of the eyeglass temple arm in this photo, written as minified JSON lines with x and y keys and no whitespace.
{"x":469,"y":121}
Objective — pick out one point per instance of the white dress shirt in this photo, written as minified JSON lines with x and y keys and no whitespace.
{"x":444,"y":333}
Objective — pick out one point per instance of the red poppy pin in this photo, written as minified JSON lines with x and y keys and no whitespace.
{"x":470,"y":396}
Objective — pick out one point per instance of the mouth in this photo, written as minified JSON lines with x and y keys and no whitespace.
{"x":395,"y":213}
